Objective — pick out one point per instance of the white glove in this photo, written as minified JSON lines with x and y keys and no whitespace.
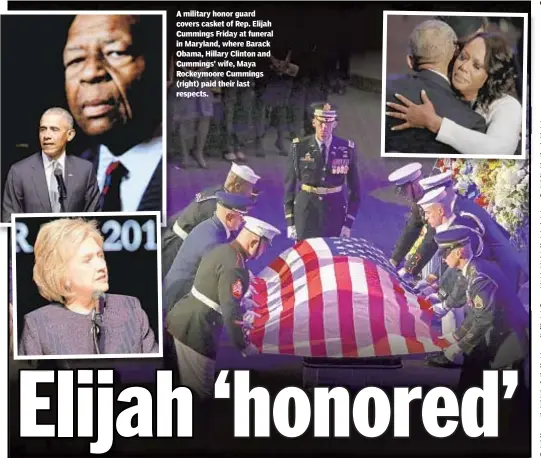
{"x":345,"y":232}
{"x":248,"y":319}
{"x":402,"y":272}
{"x":291,"y":233}
{"x":429,"y":291}
{"x":249,"y":350}
{"x":421,"y":285}
{"x":439,"y":310}
{"x":454,"y":354}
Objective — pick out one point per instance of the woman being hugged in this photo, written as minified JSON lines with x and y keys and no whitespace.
{"x":483,"y":75}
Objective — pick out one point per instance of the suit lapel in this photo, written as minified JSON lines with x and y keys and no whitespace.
{"x":152,"y":197}
{"x":40,"y":183}
{"x":70,"y":178}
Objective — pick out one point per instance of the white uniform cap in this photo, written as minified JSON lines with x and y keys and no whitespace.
{"x":406,"y":174}
{"x":436,"y":181}
{"x":434,"y":196}
{"x":260,"y":228}
{"x":245,"y":172}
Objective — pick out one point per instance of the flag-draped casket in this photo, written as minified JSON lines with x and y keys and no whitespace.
{"x":332,"y":297}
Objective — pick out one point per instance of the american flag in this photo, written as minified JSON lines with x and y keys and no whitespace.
{"x":332,"y":297}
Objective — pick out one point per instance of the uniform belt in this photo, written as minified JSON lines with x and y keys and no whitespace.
{"x":179,"y":231}
{"x":320,"y":191}
{"x":209,"y":302}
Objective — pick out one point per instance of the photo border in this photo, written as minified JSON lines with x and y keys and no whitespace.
{"x":89,"y":215}
{"x":525,"y":72}
{"x":163,"y":14}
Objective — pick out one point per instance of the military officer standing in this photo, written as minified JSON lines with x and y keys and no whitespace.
{"x":320,"y":165}
{"x":227,"y":218}
{"x":240,"y":180}
{"x":494,"y":332}
{"x":196,"y":320}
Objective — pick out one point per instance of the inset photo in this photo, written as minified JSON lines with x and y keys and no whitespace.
{"x":86,"y":286}
{"x":454,"y":85}
{"x":82,"y":126}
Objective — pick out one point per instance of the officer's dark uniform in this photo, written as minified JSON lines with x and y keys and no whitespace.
{"x":318,"y":208}
{"x":493,"y":334}
{"x":222,"y":280}
{"x":197,"y":211}
{"x":201,"y":240}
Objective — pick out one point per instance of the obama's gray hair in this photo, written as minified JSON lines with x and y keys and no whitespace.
{"x":61,"y":112}
{"x":432,"y":42}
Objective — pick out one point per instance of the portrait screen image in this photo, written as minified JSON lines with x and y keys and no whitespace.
{"x":455,"y":85}
{"x":125,"y":265}
{"x":90,"y":103}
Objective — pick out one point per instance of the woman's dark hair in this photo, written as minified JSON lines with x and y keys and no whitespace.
{"x":500,"y":67}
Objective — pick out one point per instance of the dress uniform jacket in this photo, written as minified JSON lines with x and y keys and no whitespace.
{"x":409,"y":236}
{"x":496,"y":322}
{"x":314,"y":209}
{"x":221,"y":282}
{"x":202,"y":239}
{"x":197,"y":211}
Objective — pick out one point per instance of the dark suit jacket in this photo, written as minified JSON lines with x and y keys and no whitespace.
{"x":152,"y":197}
{"x":26,"y":188}
{"x":447,"y":105}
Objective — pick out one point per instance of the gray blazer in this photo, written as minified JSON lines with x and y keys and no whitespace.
{"x":26,"y":187}
{"x":56,"y":330}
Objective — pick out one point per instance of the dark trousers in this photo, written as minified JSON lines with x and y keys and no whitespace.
{"x":319,"y":216}
{"x":171,"y":244}
{"x":274,"y":96}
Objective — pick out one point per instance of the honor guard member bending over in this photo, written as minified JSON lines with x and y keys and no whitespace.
{"x":241,"y":179}
{"x":407,"y":181}
{"x":493,"y":334}
{"x":207,"y":235}
{"x":318,"y":168}
{"x":221,"y":282}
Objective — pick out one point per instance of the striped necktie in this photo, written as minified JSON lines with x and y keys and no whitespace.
{"x":110,"y":196}
{"x":53,"y":189}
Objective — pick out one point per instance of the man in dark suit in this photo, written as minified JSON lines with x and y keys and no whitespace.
{"x":432,"y":46}
{"x":115,"y":98}
{"x":51,"y":181}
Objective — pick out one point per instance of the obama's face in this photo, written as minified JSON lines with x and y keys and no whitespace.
{"x":102,"y":69}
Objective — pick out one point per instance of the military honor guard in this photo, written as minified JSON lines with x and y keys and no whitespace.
{"x":241,"y":179}
{"x":494,"y":332}
{"x":442,"y":208}
{"x":319,"y":167}
{"x":407,"y":181}
{"x":228,"y":218}
{"x":196,"y":321}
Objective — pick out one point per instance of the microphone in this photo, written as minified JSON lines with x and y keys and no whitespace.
{"x":99,"y":297}
{"x":62,"y":191}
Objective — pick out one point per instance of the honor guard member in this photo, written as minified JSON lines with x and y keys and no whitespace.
{"x":241,"y":179}
{"x":495,"y":238}
{"x":318,"y":168}
{"x":228,"y":218}
{"x":407,"y":182}
{"x":494,"y":332}
{"x":196,"y":320}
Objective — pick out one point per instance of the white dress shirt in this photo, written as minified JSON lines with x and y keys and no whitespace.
{"x":48,"y":166}
{"x":140,"y":161}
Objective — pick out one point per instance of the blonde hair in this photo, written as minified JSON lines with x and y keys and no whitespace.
{"x":55,"y":245}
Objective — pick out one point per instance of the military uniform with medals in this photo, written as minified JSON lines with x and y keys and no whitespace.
{"x":314,"y":201}
{"x":494,"y":332}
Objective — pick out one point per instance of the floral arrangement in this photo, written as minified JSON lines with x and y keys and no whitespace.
{"x":500,"y":186}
